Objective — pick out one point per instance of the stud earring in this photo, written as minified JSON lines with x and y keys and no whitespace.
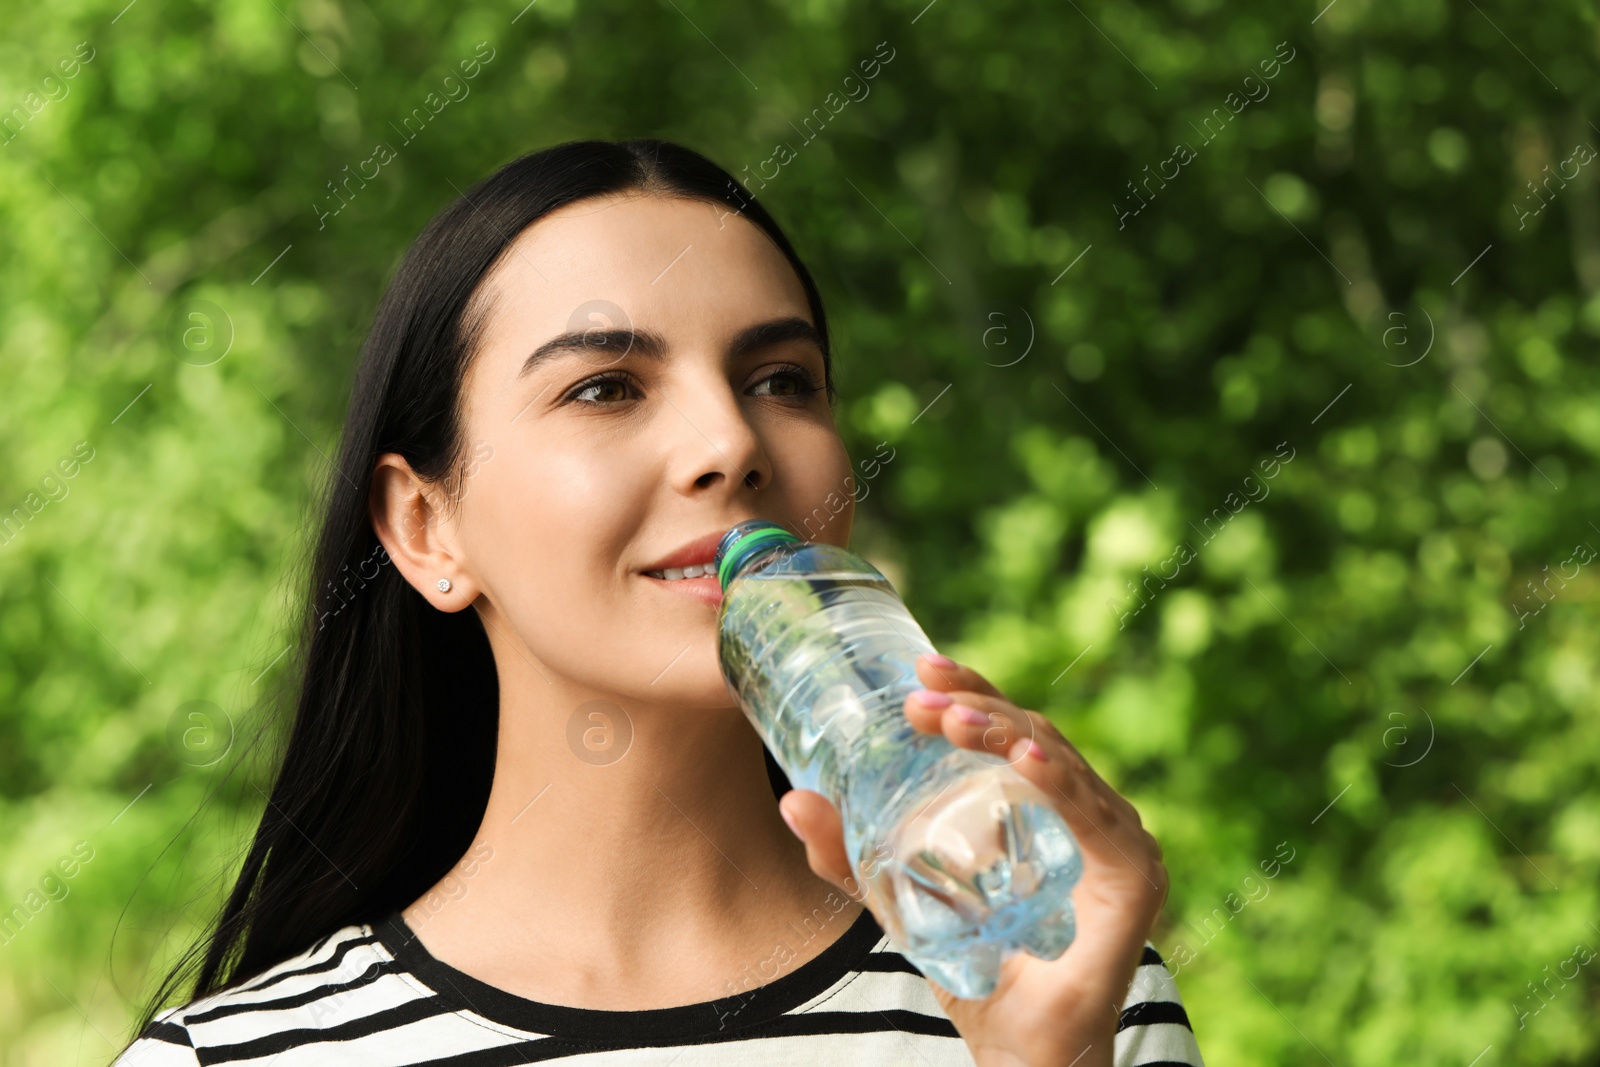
{"x":444,"y":585}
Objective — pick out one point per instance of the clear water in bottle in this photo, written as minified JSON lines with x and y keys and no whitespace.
{"x":966,"y":860}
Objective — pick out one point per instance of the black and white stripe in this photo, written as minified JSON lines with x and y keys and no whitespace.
{"x":372,"y":996}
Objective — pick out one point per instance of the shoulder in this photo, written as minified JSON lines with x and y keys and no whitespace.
{"x":332,"y":982}
{"x":883,"y":994}
{"x":879,"y":981}
{"x":1154,"y":1027}
{"x":878,"y":1004}
{"x":164,"y":1043}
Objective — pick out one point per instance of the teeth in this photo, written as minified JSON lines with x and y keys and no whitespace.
{"x":672,"y":574}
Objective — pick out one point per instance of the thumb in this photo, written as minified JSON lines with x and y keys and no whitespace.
{"x":816,"y":822}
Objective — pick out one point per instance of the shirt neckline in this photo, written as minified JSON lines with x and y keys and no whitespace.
{"x":706,"y":1020}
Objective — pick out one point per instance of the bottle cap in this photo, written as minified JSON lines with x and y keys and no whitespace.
{"x":742,"y":541}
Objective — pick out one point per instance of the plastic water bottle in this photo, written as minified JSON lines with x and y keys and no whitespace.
{"x":966,"y":859}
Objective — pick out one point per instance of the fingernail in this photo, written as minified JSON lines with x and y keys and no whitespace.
{"x":971,"y":715}
{"x":931,"y":698}
{"x":1036,"y":751}
{"x":938,"y":660}
{"x":790,"y":821}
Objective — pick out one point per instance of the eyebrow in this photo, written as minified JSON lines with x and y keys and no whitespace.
{"x":653,"y":346}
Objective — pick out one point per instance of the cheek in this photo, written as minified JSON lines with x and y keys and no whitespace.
{"x":820,"y":486}
{"x":549,"y":530}
{"x":549,"y":523}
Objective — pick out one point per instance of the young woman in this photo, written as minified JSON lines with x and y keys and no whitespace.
{"x":519,"y":817}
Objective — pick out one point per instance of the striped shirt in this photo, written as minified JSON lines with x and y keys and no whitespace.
{"x":372,"y":996}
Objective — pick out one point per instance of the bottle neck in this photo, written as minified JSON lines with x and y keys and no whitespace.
{"x":758,"y":543}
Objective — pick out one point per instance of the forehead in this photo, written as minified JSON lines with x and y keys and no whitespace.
{"x":663,"y":261}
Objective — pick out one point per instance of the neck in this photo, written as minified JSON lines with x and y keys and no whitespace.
{"x":640,"y":839}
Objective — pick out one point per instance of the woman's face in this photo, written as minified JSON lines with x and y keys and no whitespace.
{"x":648,"y":375}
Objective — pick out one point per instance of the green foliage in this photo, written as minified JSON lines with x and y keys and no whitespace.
{"x":1348,"y":259}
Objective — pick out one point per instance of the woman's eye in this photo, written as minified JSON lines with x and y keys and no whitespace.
{"x":617,"y":388}
{"x":603,"y":392}
{"x":792,"y":382}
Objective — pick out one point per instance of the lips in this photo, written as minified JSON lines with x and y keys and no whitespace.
{"x":697,"y":553}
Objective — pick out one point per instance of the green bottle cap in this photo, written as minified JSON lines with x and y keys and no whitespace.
{"x":743,"y":541}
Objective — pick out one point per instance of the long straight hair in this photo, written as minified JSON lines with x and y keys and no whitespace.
{"x":384,"y":778}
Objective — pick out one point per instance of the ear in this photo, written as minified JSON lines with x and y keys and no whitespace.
{"x":409,"y":517}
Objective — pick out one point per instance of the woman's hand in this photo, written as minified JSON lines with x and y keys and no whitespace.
{"x":1042,"y":1012}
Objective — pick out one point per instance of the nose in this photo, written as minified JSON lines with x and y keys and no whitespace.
{"x":718,"y":443}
